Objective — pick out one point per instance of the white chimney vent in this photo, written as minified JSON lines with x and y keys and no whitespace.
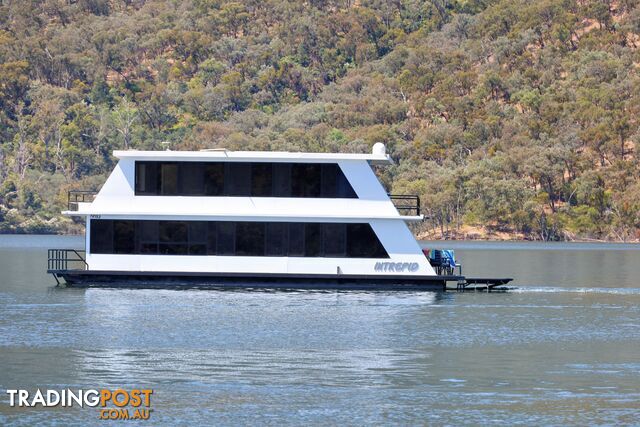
{"x":379,"y":149}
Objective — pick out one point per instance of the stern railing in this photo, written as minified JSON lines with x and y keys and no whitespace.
{"x":62,"y":259}
{"x":406,"y":204}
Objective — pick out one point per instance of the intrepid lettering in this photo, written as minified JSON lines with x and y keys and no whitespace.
{"x":396,"y":267}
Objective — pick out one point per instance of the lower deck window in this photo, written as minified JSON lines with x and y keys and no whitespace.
{"x":295,"y":239}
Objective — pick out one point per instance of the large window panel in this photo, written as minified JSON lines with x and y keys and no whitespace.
{"x":276,"y":239}
{"x":237,"y":179}
{"x":147,"y":178}
{"x":362,"y":242}
{"x":169,"y":179}
{"x":226,"y":238}
{"x":214,"y":179}
{"x":191,"y":179}
{"x":101,"y":236}
{"x":147,"y":237}
{"x":212,"y":238}
{"x":198,"y":231}
{"x":329,"y":180}
{"x":344,"y":189}
{"x":306,"y":180}
{"x":296,"y":239}
{"x":261,"y":179}
{"x":173,"y":231}
{"x":250,"y":239}
{"x":173,"y":238}
{"x":313,"y":240}
{"x":282,"y":180}
{"x":124,"y":234}
{"x":335,"y":240}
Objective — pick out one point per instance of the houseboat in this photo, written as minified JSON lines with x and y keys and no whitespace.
{"x":224,"y":218}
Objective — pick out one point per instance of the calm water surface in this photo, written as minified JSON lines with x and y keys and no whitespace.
{"x":561,"y":348}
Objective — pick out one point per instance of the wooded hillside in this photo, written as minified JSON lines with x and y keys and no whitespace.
{"x":517,"y":116}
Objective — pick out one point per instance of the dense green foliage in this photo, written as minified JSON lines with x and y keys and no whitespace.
{"x":516,"y":115}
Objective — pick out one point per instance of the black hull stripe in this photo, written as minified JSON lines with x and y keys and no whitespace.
{"x":247,"y":280}
{"x":184,"y":280}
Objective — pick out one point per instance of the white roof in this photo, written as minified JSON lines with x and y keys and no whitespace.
{"x":250,"y":156}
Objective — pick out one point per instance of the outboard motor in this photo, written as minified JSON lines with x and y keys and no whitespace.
{"x":442,"y":260}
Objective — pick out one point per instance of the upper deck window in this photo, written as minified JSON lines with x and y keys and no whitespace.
{"x":260,"y":179}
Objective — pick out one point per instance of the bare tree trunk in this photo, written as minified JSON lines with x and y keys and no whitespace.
{"x":3,"y":170}
{"x":23,"y":154}
{"x":126,"y":116}
{"x":440,"y":6}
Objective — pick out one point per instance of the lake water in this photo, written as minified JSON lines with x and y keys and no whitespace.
{"x":562,"y":347}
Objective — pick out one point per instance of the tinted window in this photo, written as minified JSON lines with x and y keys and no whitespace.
{"x":277,"y":238}
{"x":213,"y":179}
{"x":329,"y":180}
{"x":250,"y":239}
{"x":237,"y":179}
{"x":231,"y":238}
{"x":173,"y":237}
{"x":260,"y":179}
{"x":362,"y":242}
{"x":343,"y":188}
{"x":169,"y":179}
{"x":101,"y":236}
{"x":197,"y":237}
{"x":226,"y":238}
{"x":173,"y":231}
{"x":335,"y":240}
{"x":123,"y":237}
{"x":212,"y":235}
{"x":147,"y":237}
{"x":191,"y":180}
{"x":282,"y":179}
{"x":296,"y":239}
{"x":147,"y":178}
{"x":313,"y":240}
{"x":306,"y":180}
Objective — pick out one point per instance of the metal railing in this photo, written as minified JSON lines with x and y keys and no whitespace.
{"x":62,"y":259}
{"x":406,"y":204}
{"x":79,"y":196}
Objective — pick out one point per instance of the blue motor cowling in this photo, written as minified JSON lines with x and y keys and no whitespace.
{"x":443,"y":260}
